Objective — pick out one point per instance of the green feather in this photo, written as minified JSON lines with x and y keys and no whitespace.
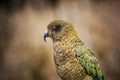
{"x":89,"y":62}
{"x":87,"y":68}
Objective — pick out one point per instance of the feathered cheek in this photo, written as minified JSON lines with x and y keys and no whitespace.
{"x":52,"y":36}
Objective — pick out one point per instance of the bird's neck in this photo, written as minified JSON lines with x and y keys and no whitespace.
{"x":64,"y":50}
{"x":67,"y":42}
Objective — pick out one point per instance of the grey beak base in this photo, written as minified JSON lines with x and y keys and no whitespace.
{"x":45,"y":35}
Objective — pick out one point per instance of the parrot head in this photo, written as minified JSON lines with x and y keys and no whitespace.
{"x":58,"y":29}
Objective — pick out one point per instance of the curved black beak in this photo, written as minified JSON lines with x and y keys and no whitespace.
{"x":45,"y":35}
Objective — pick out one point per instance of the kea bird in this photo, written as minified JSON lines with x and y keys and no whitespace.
{"x":73,"y":59}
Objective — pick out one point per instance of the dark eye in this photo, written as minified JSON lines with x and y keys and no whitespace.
{"x":56,"y":28}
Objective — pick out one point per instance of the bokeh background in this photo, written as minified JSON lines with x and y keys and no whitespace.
{"x":25,"y":56}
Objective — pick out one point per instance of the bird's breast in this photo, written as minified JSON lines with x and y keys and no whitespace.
{"x":67,"y":65}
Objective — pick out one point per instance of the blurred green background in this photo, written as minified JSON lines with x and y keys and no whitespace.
{"x":25,"y":56}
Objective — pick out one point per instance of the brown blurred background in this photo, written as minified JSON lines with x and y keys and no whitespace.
{"x":25,"y":56}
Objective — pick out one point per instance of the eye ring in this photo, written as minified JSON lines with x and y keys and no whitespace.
{"x":54,"y":27}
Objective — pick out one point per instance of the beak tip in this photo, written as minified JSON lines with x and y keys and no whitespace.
{"x":45,"y":35}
